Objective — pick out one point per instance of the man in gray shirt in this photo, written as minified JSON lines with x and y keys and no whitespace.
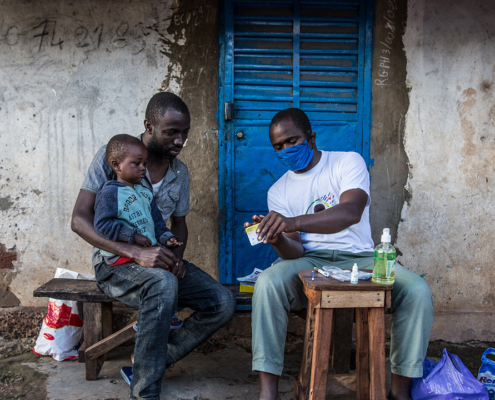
{"x":159,"y":279}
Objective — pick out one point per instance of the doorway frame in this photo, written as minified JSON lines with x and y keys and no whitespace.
{"x":225,"y":95}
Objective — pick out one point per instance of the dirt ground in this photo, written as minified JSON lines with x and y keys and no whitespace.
{"x":21,"y":379}
{"x":18,"y":381}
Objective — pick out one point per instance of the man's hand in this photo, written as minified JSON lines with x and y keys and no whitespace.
{"x":287,"y":245}
{"x":272,"y":225}
{"x":155,"y":257}
{"x":142,"y":240}
{"x":179,"y":270}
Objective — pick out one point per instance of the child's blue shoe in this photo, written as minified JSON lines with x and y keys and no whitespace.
{"x":176,"y":323}
{"x":126,"y":373}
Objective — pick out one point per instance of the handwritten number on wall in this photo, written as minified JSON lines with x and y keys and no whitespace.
{"x":99,"y":31}
{"x":81,"y":34}
{"x":196,"y":17}
{"x":47,"y":32}
{"x":119,"y":40}
{"x":47,"y":27}
{"x":12,"y":35}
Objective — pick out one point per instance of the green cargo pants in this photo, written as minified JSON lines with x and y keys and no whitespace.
{"x":279,"y":290}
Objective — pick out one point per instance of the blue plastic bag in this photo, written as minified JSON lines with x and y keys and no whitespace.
{"x":448,"y":379}
{"x":486,"y":374}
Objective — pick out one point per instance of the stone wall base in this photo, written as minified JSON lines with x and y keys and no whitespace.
{"x":25,"y":322}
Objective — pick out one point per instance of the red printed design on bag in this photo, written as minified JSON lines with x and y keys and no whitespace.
{"x":75,"y":320}
{"x":57,"y":317}
{"x":48,"y":336}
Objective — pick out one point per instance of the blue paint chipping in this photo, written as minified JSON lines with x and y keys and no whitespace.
{"x":315,"y":55}
{"x":448,"y":266}
{"x":423,"y":275}
{"x":438,"y":280}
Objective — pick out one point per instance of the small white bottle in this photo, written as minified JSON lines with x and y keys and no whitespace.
{"x":354,"y":274}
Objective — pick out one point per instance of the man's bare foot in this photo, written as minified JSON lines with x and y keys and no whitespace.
{"x":269,"y":386}
{"x":400,"y":388}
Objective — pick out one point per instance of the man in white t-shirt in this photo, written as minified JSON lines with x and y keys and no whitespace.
{"x":319,"y":215}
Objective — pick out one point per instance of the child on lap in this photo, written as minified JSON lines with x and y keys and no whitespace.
{"x":124,"y":209}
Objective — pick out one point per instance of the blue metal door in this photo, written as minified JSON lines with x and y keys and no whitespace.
{"x":315,"y":55}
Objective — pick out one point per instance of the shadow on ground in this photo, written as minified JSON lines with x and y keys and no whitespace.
{"x":218,"y":370}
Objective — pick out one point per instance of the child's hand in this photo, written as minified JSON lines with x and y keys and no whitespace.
{"x":173,"y":243}
{"x":142,"y":240}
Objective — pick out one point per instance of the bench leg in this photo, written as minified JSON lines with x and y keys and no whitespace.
{"x":107,"y":320}
{"x":376,"y":321}
{"x":301,"y":383}
{"x":80,"y":351}
{"x":342,"y":340}
{"x":321,"y":353}
{"x":362,"y":358}
{"x":94,"y":329}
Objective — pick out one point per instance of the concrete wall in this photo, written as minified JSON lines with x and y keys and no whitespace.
{"x":389,"y":108}
{"x":72,"y":75}
{"x":446,"y":232}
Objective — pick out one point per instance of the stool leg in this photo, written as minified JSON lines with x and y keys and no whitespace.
{"x":301,"y":384}
{"x":342,"y":340}
{"x":376,"y":320}
{"x":321,"y":353}
{"x":93,"y":333}
{"x":362,"y":359}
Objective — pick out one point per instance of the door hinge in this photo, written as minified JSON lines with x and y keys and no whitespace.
{"x":229,"y":111}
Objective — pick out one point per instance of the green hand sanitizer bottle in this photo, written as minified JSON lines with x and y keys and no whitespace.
{"x":384,"y":261}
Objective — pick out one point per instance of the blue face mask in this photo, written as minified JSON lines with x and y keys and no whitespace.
{"x":296,"y":157}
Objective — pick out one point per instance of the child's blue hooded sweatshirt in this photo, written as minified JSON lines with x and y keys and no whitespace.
{"x":121,"y":212}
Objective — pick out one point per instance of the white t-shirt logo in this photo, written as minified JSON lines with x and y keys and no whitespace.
{"x":321,"y":204}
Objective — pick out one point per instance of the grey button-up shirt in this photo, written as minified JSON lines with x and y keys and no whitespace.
{"x":172,"y":198}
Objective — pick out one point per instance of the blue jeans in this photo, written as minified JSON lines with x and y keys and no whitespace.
{"x":157,"y":292}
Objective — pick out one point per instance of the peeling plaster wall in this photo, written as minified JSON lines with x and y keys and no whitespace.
{"x":446,"y":233}
{"x":74,"y":74}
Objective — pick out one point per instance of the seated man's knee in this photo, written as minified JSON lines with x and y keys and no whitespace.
{"x":161,"y":283}
{"x":227,"y":304}
{"x":271,"y":279}
{"x":418,"y":292}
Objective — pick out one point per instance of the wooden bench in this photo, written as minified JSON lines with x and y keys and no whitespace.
{"x":95,"y":308}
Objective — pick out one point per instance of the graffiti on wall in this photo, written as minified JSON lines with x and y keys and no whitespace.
{"x":62,"y":32}
{"x":386,"y":44}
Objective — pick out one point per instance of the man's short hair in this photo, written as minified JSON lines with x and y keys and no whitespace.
{"x":161,"y":102}
{"x":118,"y":147}
{"x":298,"y":118}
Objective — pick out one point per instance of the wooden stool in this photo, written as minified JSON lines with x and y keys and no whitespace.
{"x":369,"y":300}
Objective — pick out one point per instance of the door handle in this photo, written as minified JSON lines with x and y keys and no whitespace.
{"x":239,"y":135}
{"x":228,"y":111}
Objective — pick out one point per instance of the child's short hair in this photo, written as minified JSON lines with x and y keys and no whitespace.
{"x":118,"y":147}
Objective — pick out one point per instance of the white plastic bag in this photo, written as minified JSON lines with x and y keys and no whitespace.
{"x":344,"y":275}
{"x":62,"y":328}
